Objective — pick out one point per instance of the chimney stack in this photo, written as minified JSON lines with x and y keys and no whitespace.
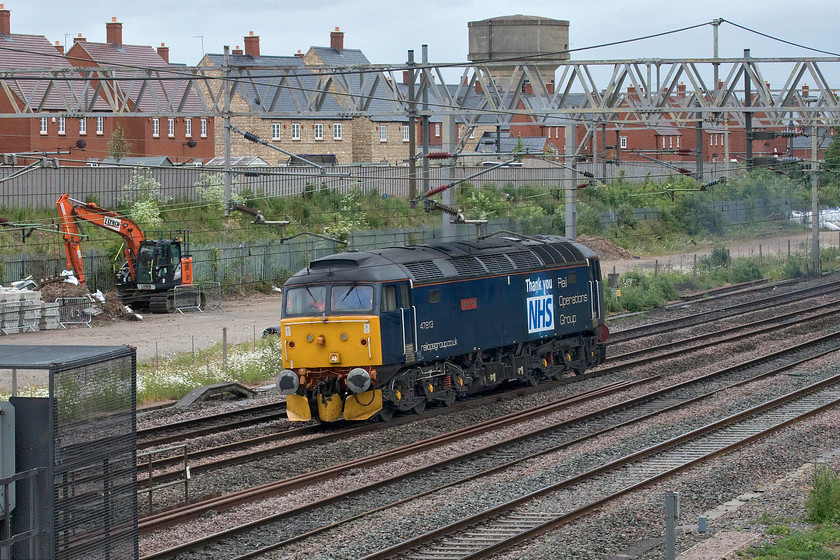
{"x":163,"y":52}
{"x":114,"y":32}
{"x":299,"y":54}
{"x":5,"y":20}
{"x":337,"y":40}
{"x":680,"y":89}
{"x":79,"y":39}
{"x":59,"y":47}
{"x":236,"y":50}
{"x":252,"y":44}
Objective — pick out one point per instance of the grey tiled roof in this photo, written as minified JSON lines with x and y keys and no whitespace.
{"x":139,"y":57}
{"x":345,"y":57}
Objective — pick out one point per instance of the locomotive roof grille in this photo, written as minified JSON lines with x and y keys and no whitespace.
{"x":424,"y":270}
{"x":497,"y":264}
{"x":468,"y":266}
{"x":525,"y":259}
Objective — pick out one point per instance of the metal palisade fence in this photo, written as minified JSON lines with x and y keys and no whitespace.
{"x":41,"y":188}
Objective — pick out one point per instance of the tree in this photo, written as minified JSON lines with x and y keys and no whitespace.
{"x":118,"y":146}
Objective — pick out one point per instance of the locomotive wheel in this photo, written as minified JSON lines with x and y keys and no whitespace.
{"x":386,"y":414}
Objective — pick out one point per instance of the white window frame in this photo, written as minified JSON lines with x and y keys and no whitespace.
{"x":338,"y":131}
{"x":188,"y":127}
{"x":383,"y":132}
{"x":170,"y":126}
{"x":100,"y":126}
{"x":83,"y":126}
{"x":623,"y":142}
{"x":155,"y":128}
{"x":319,"y":131}
{"x":405,"y":135}
{"x":62,"y":126}
{"x":437,"y":130}
{"x":204,"y":128}
{"x":44,"y":126}
{"x":295,"y":131}
{"x":275,"y":131}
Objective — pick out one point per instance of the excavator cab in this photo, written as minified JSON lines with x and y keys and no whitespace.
{"x":159,"y":265}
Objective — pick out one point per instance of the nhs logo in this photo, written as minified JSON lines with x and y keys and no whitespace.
{"x":540,"y":313}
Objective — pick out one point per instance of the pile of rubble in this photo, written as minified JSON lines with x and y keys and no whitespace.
{"x":606,"y":250}
{"x":26,"y":307}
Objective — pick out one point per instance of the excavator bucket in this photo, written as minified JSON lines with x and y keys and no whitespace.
{"x":329,"y":408}
{"x":297,"y":408}
{"x":363,"y":405}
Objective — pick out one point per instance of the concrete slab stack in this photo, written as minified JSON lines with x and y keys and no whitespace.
{"x":23,"y":311}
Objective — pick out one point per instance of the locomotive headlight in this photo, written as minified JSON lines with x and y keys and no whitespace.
{"x":343,"y":337}
{"x":287,"y":382}
{"x":335,"y":357}
{"x":309,"y":338}
{"x":358,"y":380}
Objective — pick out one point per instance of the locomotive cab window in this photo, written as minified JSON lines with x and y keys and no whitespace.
{"x":351,"y":298}
{"x":305,"y":300}
{"x":389,"y":299}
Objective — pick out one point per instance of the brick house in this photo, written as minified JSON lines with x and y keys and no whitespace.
{"x":182,"y":139}
{"x":62,"y":135}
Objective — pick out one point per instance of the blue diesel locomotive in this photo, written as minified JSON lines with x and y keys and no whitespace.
{"x":377,"y":332}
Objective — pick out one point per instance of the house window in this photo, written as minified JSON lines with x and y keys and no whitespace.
{"x":405,"y":130}
{"x":82,"y":126}
{"x":472,"y":133}
{"x":295,"y":131}
{"x":663,"y":142}
{"x":383,"y":133}
{"x":437,"y":131}
{"x":275,"y":131}
{"x":337,"y":132}
{"x":171,"y":128}
{"x":623,"y":142}
{"x":43,"y":125}
{"x":204,"y":128}
{"x":100,"y":125}
{"x":61,"y":126}
{"x":319,"y":131}
{"x":670,"y":141}
{"x":155,"y":128}
{"x":188,"y":127}
{"x":678,"y":141}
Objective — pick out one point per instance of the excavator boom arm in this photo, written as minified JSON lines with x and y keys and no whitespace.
{"x":72,"y":211}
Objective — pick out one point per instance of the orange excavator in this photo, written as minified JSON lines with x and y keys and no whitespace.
{"x":152,"y":269}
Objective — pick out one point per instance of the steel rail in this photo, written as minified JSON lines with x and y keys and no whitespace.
{"x":781,"y":412}
{"x":561,"y":427}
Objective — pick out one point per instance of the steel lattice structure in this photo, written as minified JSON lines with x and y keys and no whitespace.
{"x":491,"y":94}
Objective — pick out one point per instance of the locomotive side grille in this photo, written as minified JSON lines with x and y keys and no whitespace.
{"x":497,"y":264}
{"x":467,"y":266}
{"x":424,"y":270}
{"x":524,"y":260}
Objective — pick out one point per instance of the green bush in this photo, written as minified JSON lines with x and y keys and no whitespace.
{"x":823,"y":501}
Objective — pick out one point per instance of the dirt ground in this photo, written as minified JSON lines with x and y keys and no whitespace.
{"x":245,"y":317}
{"x":164,"y":335}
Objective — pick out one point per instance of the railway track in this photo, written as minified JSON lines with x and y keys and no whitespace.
{"x":729,"y":312}
{"x":504,"y":455}
{"x":253,"y":449}
{"x":526,"y":517}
